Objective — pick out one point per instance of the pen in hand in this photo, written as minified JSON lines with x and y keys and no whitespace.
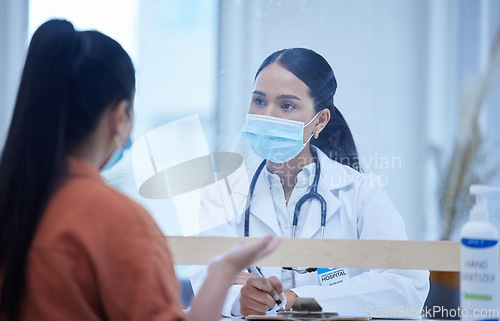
{"x":256,"y":268}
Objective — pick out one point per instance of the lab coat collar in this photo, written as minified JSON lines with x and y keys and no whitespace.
{"x":262,"y":206}
{"x":333,"y":176}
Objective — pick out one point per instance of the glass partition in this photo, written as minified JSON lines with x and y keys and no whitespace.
{"x":415,"y":85}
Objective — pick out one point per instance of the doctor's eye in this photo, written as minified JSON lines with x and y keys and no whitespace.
{"x":287,"y":106}
{"x":259,"y":102}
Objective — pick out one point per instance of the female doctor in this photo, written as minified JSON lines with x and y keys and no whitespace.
{"x":310,"y":186}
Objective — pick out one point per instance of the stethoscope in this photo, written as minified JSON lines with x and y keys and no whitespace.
{"x":313,"y":194}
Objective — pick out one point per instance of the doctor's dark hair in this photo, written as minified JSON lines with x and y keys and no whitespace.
{"x":69,"y":79}
{"x":336,"y":139}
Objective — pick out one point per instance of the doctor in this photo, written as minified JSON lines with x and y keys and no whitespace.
{"x":310,"y":186}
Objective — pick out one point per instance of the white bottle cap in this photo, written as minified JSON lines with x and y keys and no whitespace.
{"x":479,"y":212}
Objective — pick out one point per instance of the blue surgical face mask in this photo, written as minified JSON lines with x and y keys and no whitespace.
{"x":275,"y":139}
{"x":117,"y":155}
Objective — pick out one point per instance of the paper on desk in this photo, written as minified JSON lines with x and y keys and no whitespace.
{"x":299,"y":318}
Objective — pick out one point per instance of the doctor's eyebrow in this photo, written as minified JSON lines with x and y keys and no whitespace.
{"x":288,"y":97}
{"x":260,"y":93}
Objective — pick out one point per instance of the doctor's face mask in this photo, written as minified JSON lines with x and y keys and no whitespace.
{"x":275,"y":139}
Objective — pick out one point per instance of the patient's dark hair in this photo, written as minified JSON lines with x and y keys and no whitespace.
{"x":69,"y":79}
{"x":336,"y":139}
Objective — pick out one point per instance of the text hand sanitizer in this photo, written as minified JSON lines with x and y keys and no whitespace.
{"x":479,"y":273}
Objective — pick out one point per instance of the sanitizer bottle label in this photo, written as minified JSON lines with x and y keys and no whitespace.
{"x":478,"y":292}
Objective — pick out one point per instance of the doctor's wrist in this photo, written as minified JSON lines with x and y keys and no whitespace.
{"x":291,"y":297}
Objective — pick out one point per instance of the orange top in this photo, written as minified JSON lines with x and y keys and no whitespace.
{"x":97,"y":255}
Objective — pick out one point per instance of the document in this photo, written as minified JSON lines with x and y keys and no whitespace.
{"x":305,"y":309}
{"x":297,"y":317}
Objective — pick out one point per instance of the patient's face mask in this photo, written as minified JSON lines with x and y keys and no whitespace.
{"x":117,"y":155}
{"x":275,"y":139}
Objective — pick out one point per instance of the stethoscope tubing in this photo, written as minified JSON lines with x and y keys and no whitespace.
{"x":313,"y":194}
{"x":250,"y":196}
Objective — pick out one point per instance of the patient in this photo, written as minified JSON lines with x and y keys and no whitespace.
{"x":73,"y":248}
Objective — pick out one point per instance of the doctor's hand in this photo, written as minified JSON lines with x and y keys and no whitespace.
{"x":260,"y":294}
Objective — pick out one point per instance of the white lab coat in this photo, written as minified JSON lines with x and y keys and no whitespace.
{"x":357,"y":208}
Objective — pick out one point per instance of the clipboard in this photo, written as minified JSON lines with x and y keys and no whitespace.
{"x":306,"y":309}
{"x":283,"y":318}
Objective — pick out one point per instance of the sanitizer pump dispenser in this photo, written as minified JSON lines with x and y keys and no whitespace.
{"x":479,"y":258}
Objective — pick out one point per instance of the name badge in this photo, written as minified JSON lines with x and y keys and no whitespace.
{"x":329,"y":277}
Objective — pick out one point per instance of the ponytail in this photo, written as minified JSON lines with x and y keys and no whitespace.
{"x":33,"y":154}
{"x":336,"y":141}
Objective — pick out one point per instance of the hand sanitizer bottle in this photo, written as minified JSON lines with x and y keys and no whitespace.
{"x":479,"y":258}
